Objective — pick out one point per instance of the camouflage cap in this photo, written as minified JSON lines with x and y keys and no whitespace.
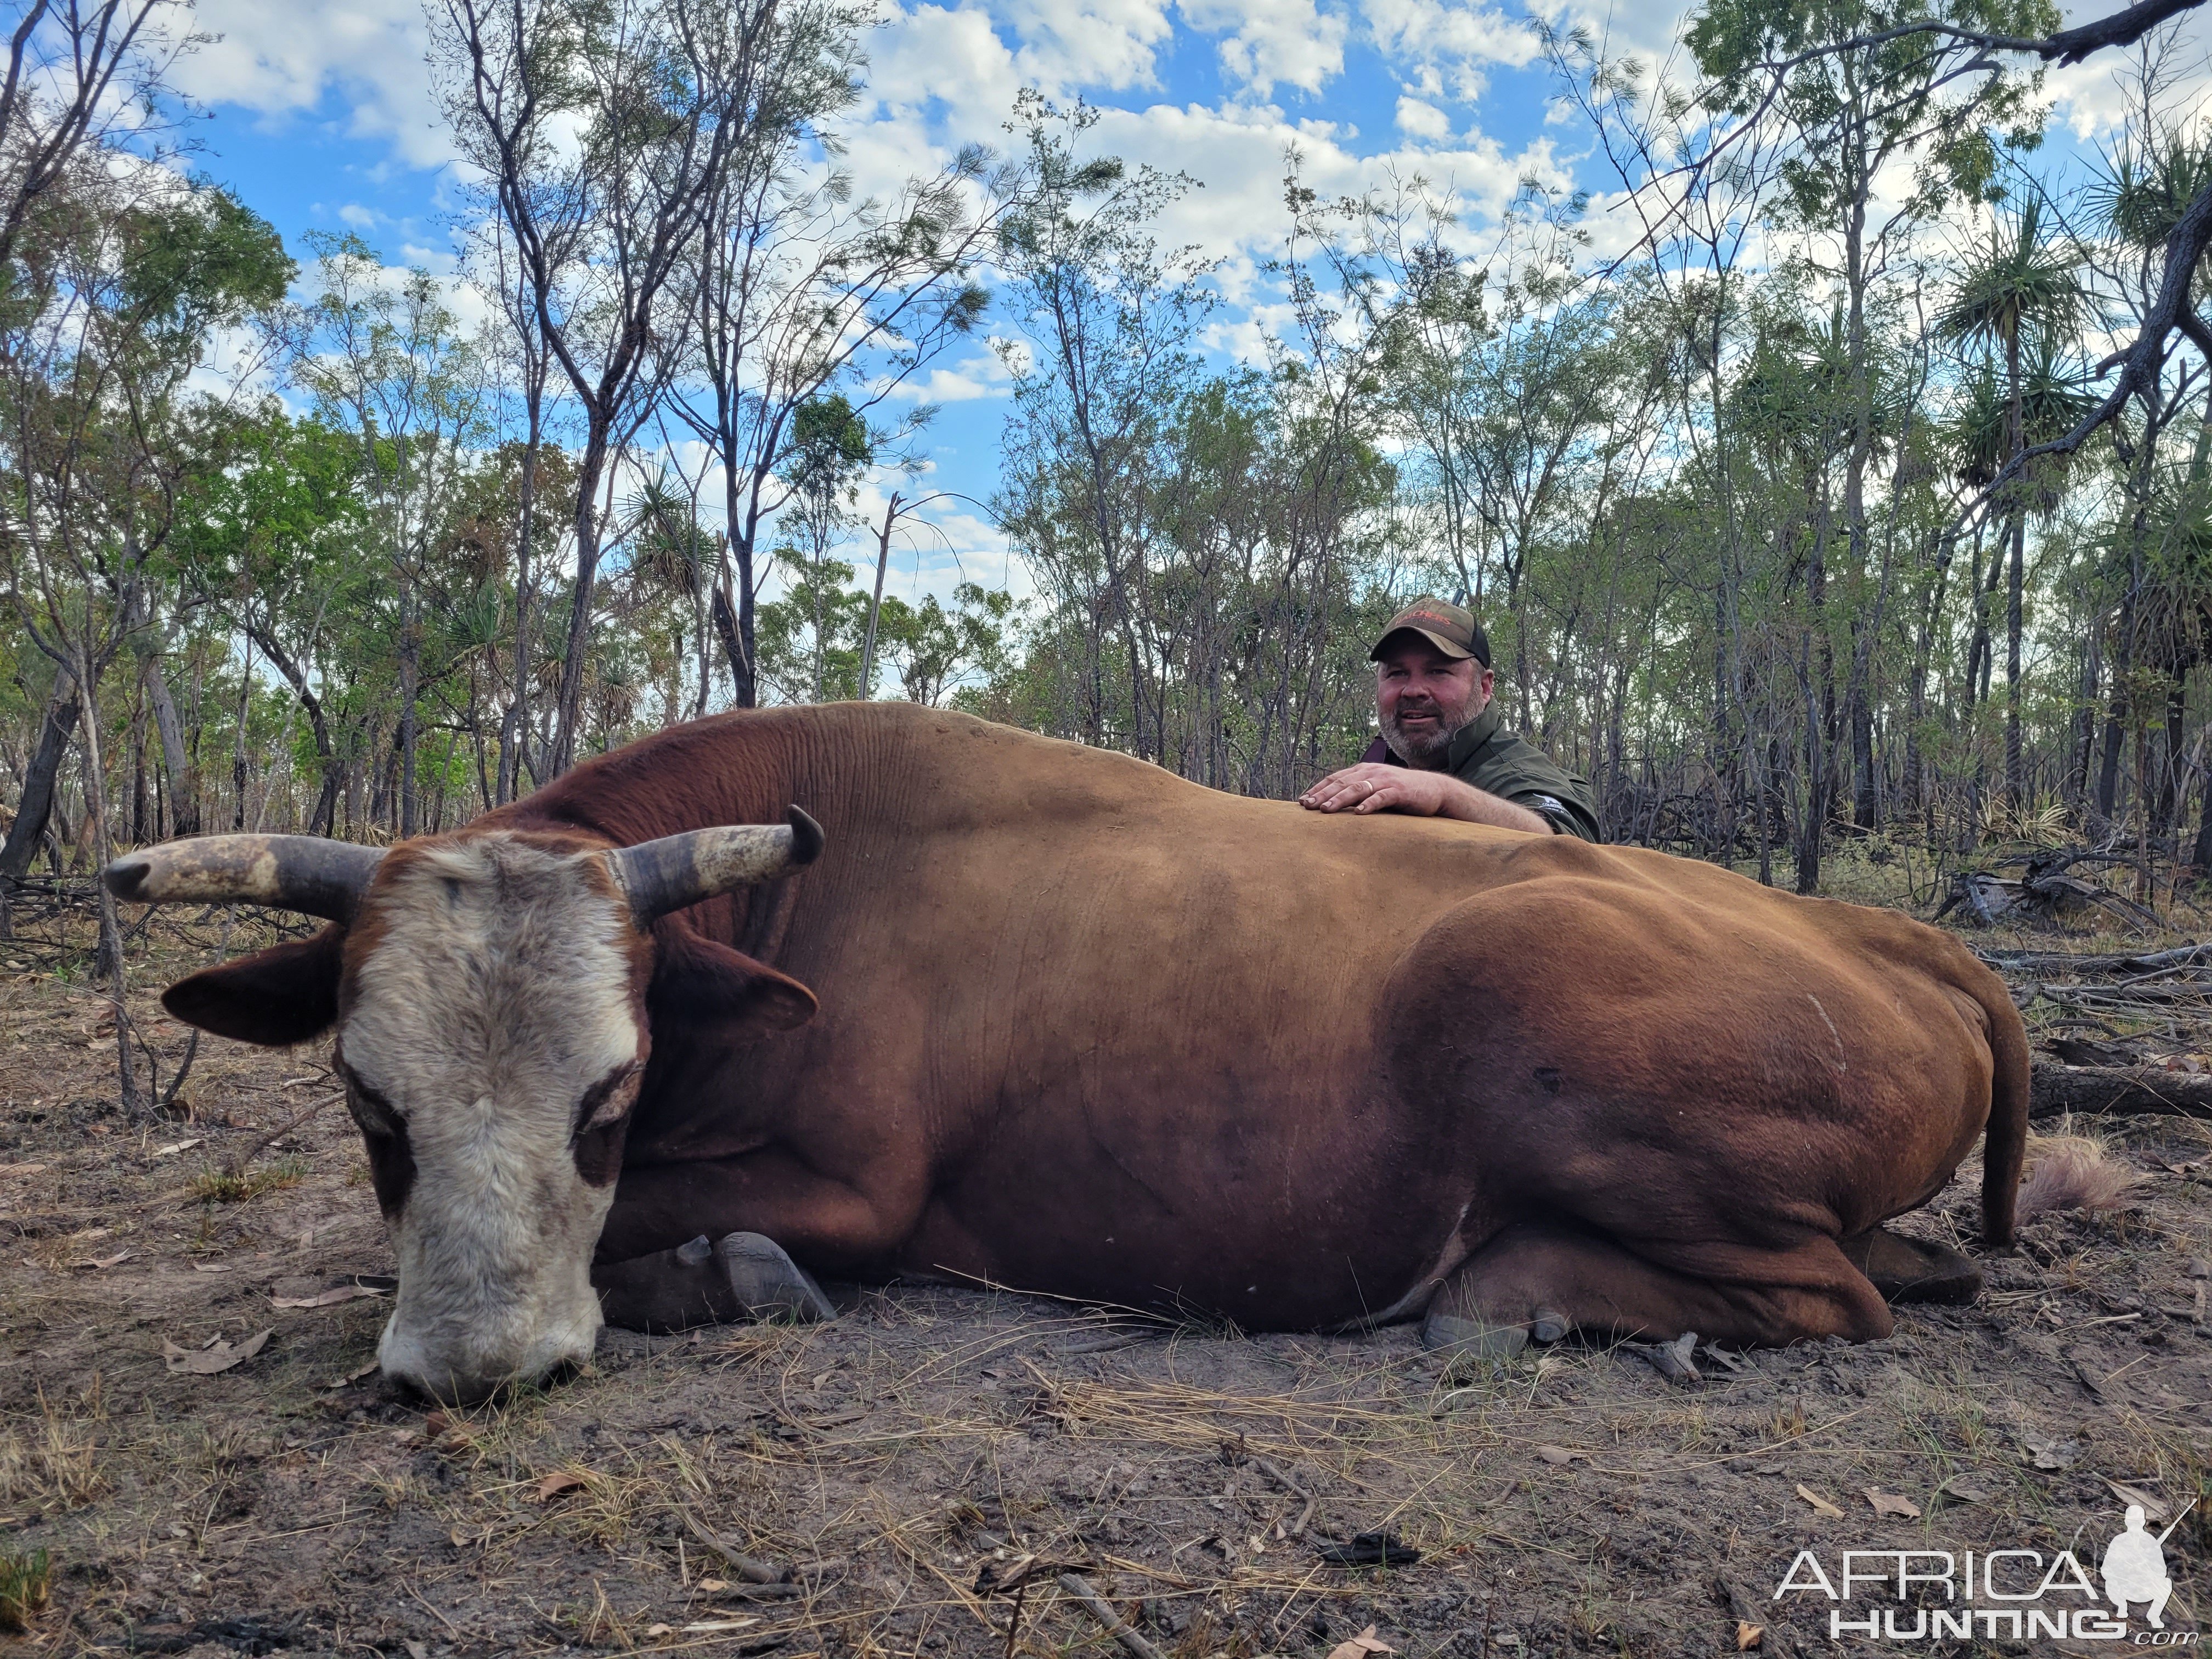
{"x":1451,"y":628}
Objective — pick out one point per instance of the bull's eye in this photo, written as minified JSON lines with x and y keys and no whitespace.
{"x":605,"y":1100}
{"x":369,"y":1108}
{"x":391,"y":1160}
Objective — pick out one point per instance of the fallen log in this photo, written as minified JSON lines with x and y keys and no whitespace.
{"x":2117,"y":1091}
{"x":2038,"y":961}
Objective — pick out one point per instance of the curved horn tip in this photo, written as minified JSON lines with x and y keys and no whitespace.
{"x":126,"y":876}
{"x":806,"y":836}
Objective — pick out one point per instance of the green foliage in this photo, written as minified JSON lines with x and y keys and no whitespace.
{"x":26,"y":1576}
{"x":1856,"y":88}
{"x":206,"y":263}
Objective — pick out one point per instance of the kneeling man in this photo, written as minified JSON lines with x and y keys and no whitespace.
{"x":1443,"y":752}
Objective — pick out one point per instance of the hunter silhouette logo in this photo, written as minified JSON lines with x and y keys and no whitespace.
{"x":2134,"y":1567}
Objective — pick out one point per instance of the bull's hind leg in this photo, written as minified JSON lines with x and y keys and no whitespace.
{"x":745,"y":1276}
{"x":1545,"y":1279}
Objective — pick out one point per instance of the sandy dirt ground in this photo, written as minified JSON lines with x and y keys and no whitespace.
{"x":931,"y":1473}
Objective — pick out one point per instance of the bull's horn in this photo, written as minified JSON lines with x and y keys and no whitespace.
{"x":665,"y":875}
{"x":306,"y":873}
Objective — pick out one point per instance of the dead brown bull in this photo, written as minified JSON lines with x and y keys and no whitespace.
{"x":1085,"y":1028}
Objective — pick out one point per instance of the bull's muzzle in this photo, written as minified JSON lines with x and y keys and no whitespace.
{"x":464,"y":1371}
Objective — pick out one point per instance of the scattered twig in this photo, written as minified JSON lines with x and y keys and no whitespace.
{"x":748,"y":1568}
{"x":235,"y":1165}
{"x":184,"y":1070}
{"x":1103,"y":1610}
{"x":1284,"y":1480}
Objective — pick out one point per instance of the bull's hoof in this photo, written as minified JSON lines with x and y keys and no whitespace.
{"x":768,"y":1283}
{"x":1471,"y":1339}
{"x":1549,"y":1326}
{"x":1907,"y":1270}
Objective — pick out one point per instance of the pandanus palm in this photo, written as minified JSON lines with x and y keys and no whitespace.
{"x":2017,"y":292}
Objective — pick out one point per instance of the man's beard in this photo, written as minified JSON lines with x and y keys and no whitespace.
{"x":1427,"y":752}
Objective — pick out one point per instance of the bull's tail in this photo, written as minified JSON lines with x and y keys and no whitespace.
{"x":2004,"y":1140}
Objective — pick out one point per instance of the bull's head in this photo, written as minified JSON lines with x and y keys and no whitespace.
{"x":489,"y":990}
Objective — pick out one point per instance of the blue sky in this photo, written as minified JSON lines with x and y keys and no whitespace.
{"x":322,"y":115}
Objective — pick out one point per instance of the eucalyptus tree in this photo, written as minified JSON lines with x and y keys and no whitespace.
{"x":80,"y":74}
{"x":2134,"y":206}
{"x":826,"y":453}
{"x":805,"y":285}
{"x":381,"y":357}
{"x":1864,"y":100}
{"x":131,"y":277}
{"x":603,"y":134}
{"x":274,"y":535}
{"x":1109,"y":320}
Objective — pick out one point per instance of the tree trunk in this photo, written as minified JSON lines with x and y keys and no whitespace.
{"x":2083,"y":744}
{"x":514,"y":730}
{"x":176,"y":763}
{"x":876,"y":605}
{"x":239,"y":773}
{"x":2015,"y":763}
{"x":2117,"y":1091}
{"x":35,"y":803}
{"x":35,"y":807}
{"x":325,"y":749}
{"x":108,"y":964}
{"x":568,"y":713}
{"x":139,"y":836}
{"x":1866,"y":796}
{"x":2117,"y":703}
{"x":410,"y":670}
{"x":2172,"y":760}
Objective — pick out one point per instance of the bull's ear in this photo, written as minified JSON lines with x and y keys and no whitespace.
{"x":702,"y":987}
{"x":276,"y":998}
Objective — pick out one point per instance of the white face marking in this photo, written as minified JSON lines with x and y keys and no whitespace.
{"x":496,"y":996}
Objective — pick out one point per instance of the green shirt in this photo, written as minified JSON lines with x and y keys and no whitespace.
{"x":1497,"y":762}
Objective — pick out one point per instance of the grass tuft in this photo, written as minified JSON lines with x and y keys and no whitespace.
{"x":24,"y":1580}
{"x":55,"y":1459}
{"x":225,"y":1187}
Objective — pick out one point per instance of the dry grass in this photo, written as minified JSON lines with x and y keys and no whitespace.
{"x":55,"y":1458}
{"x":2072,"y":1172}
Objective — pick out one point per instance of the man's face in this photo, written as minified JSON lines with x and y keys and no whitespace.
{"x":1423,"y":697}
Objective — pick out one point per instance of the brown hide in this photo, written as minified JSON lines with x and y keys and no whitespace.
{"x":1088,"y":1029}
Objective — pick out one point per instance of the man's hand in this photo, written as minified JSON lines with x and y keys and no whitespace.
{"x":1373,"y":787}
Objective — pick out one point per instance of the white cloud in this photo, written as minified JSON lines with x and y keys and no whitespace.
{"x":1453,"y":44}
{"x":1272,"y":41}
{"x":1418,"y":121}
{"x":1237,"y":153}
{"x":982,"y":375}
{"x":359,"y":217}
{"x":280,"y":61}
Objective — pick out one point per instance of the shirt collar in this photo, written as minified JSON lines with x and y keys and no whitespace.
{"x":1472,"y":737}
